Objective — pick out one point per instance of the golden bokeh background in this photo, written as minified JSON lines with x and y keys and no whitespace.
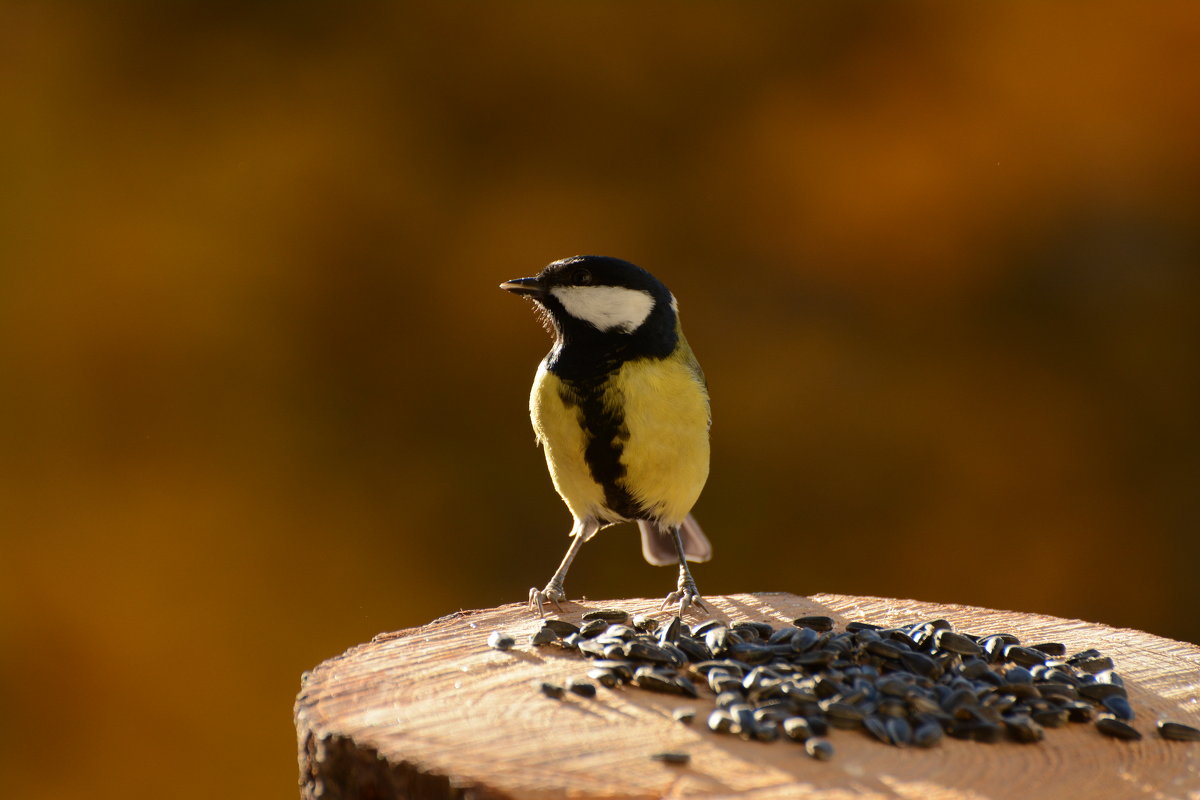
{"x":260,"y":397}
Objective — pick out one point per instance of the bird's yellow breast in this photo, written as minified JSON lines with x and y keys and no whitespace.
{"x":661,"y":440}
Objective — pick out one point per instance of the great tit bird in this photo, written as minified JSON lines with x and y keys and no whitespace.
{"x":621,"y":408}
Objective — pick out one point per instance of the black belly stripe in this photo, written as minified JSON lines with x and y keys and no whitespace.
{"x":606,"y":434}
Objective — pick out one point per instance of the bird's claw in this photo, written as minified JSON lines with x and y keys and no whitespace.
{"x":539,"y":597}
{"x":685,"y":596}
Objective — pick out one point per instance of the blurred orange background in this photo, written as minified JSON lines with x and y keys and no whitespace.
{"x":261,"y":397}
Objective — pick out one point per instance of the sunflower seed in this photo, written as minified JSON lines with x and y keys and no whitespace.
{"x":670,"y":632}
{"x":1051,"y":717}
{"x":1084,"y":655}
{"x":620,"y":632}
{"x":816,"y":622}
{"x":797,"y":729}
{"x":720,"y":721}
{"x":749,"y":653}
{"x":900,"y":637}
{"x":672,"y":758}
{"x":593,"y":627}
{"x":972,"y":668}
{"x":803,"y":639}
{"x":1100,"y":691}
{"x":1118,"y":729}
{"x":623,"y":669}
{"x":543,"y":636}
{"x":826,"y":686}
{"x":906,"y":685}
{"x":893,"y":686}
{"x":755,"y":677}
{"x":1023,"y":728}
{"x":815,"y":659}
{"x":721,"y":682}
{"x":1119,"y":707}
{"x":1093,"y":665}
{"x":1018,"y":675}
{"x":1178,"y":732}
{"x":879,"y":647}
{"x":694,"y":649}
{"x":754,"y":630}
{"x":819,"y":748}
{"x":1053,"y":649}
{"x":684,"y":715}
{"x":919,"y":663}
{"x":817,"y":724}
{"x":927,"y":733}
{"x":1024,"y":656}
{"x":843,"y":715}
{"x":648,"y":678}
{"x":552,"y":690}
{"x":581,"y":688}
{"x":877,"y":727}
{"x":561,"y":626}
{"x":720,"y":640}
{"x":952,"y":642}
{"x":775,"y":710}
{"x":677,"y":656}
{"x":500,"y":641}
{"x":959,"y":699}
{"x":899,"y":731}
{"x":1060,"y":675}
{"x":989,"y":678}
{"x":923,"y":704}
{"x":999,"y":703}
{"x":1080,"y":711}
{"x":644,"y":651}
{"x":765,"y":732}
{"x":607,"y":614}
{"x":1058,"y":690}
{"x":604,"y":677}
{"x":799,"y":692}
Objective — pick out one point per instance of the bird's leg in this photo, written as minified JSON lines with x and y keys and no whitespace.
{"x":554,"y":589}
{"x":686,"y":592}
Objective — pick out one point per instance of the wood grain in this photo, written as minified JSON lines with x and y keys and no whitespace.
{"x":434,"y":712}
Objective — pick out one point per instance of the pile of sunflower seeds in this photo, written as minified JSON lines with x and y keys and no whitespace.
{"x":905,"y":685}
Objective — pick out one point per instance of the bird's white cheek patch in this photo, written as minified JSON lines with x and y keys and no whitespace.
{"x":606,"y":307}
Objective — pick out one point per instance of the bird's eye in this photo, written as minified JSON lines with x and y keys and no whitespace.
{"x":581,"y":277}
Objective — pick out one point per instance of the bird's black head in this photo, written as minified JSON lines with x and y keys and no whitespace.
{"x":602,"y":310}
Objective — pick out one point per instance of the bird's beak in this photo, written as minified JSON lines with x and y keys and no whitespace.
{"x":531,"y":287}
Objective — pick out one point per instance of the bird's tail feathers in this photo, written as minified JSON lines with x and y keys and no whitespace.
{"x":658,"y":546}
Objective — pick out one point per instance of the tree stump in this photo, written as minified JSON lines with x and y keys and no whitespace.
{"x":433,"y":712}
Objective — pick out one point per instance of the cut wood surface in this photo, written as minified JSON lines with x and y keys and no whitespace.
{"x":434,"y":712}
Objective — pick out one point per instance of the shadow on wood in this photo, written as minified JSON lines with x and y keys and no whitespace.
{"x":433,"y":712}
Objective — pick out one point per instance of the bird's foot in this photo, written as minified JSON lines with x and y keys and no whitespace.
{"x":553,"y":593}
{"x":686,"y":596}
